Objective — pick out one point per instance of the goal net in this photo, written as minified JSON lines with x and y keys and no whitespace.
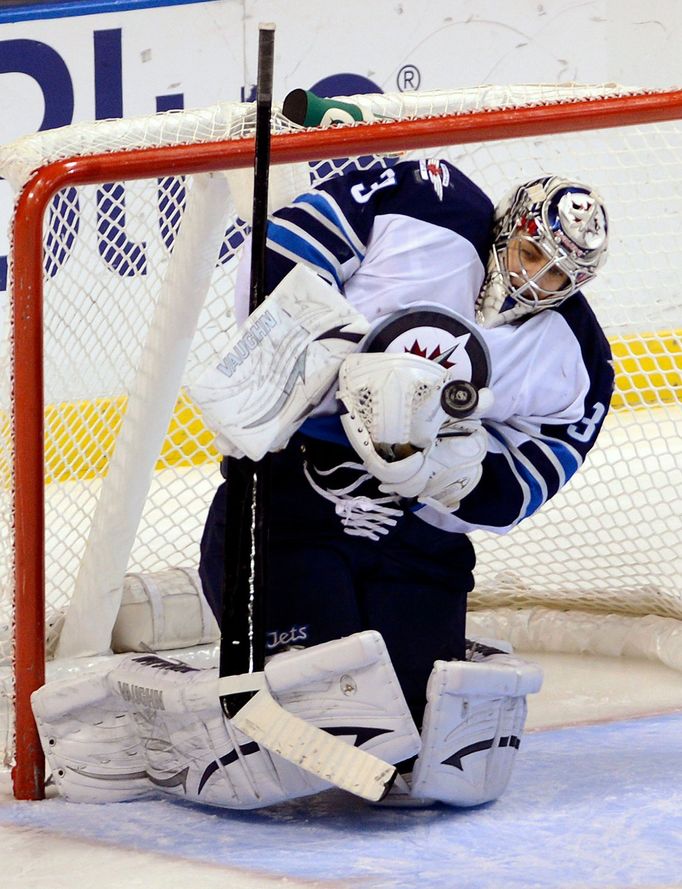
{"x":124,"y":244}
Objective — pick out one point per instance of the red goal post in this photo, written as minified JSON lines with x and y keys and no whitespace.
{"x":174,"y":160}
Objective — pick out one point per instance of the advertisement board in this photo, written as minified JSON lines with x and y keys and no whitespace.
{"x":64,"y":62}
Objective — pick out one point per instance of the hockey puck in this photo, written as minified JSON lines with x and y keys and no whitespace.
{"x":459,"y":398}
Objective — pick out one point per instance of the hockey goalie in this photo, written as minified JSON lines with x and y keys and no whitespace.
{"x":423,"y":365}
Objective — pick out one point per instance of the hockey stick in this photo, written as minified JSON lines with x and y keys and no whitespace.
{"x":312,"y":749}
{"x":242,"y":623}
{"x":305,"y":745}
{"x":242,"y":652}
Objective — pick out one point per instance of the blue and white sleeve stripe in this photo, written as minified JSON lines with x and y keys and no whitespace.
{"x":520,"y":474}
{"x":314,"y":230}
{"x":524,"y":473}
{"x":295,"y":244}
{"x":327,"y":212}
{"x":560,"y":454}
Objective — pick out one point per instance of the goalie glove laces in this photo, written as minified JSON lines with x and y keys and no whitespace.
{"x":360,"y":516}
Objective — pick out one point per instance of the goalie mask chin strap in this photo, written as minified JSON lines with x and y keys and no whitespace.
{"x":361,"y":516}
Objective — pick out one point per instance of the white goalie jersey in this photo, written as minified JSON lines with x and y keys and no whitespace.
{"x":419,"y":233}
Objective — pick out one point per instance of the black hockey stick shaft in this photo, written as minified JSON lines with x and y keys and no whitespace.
{"x":247,"y":486}
{"x":259,"y":226}
{"x":261,"y":166}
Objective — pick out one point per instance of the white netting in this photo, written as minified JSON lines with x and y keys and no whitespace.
{"x":609,"y":541}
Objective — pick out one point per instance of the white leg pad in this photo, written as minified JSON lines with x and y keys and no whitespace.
{"x":351,"y":694}
{"x":154,"y":726}
{"x":472,"y":730}
{"x":90,"y":741}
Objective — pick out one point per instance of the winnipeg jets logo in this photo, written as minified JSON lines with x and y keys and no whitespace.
{"x":445,"y":350}
{"x":437,"y":173}
{"x":438,"y":334}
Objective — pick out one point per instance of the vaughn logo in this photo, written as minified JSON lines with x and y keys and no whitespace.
{"x":139,"y":694}
{"x":256,"y":333}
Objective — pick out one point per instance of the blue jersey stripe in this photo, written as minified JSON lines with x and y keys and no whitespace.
{"x":326,"y":237}
{"x":537,"y":495}
{"x":319,"y":202}
{"x":566,"y":457}
{"x":284,"y":237}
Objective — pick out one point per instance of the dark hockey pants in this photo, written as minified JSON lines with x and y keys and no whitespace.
{"x":410,"y":585}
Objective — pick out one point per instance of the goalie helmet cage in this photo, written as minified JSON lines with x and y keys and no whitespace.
{"x":122,"y":259}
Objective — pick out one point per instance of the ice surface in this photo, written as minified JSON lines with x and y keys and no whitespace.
{"x":595,"y":805}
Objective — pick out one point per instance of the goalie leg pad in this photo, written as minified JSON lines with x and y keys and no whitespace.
{"x":90,"y":741}
{"x":153,"y":726}
{"x":165,"y":719}
{"x":473,"y":724}
{"x":278,"y":366}
{"x":191,"y":750}
{"x":346,"y":680}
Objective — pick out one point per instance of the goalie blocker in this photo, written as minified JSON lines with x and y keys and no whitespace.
{"x":278,"y":365}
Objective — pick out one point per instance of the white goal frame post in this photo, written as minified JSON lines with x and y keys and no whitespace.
{"x":193,"y":159}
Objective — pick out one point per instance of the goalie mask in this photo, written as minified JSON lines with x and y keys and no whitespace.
{"x":551,"y":238}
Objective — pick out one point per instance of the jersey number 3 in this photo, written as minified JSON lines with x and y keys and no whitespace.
{"x":362,"y":193}
{"x":589,"y":424}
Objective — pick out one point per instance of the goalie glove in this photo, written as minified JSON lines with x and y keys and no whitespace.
{"x":399,"y":421}
{"x":393,"y":411}
{"x":452,"y":467}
